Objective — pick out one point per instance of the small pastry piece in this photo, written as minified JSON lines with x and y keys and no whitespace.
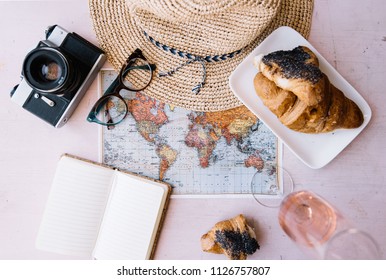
{"x":233,"y":237}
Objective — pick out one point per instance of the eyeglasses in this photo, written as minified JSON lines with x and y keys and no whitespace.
{"x":135,"y":75}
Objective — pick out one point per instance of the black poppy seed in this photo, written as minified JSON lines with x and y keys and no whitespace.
{"x":236,"y":243}
{"x":250,"y":244}
{"x":293,"y":64}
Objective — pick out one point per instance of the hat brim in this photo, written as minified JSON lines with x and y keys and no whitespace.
{"x":118,"y":36}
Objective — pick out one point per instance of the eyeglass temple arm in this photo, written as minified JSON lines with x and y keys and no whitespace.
{"x":112,"y":87}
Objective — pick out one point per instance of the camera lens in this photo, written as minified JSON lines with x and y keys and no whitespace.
{"x":51,"y":71}
{"x":47,"y":70}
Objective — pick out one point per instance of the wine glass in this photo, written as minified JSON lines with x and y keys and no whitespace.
{"x":271,"y":184}
{"x":321,"y":231}
{"x":318,"y":228}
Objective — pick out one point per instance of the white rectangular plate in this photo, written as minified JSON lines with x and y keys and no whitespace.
{"x":315,"y":150}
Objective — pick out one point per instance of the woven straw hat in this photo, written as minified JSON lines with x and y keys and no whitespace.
{"x":195,"y":44}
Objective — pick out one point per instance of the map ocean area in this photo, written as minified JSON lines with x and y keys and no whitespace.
{"x":195,"y":152}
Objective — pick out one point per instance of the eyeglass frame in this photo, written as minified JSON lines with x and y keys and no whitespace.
{"x":116,"y":86}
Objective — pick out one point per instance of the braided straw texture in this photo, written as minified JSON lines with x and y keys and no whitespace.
{"x":199,"y":27}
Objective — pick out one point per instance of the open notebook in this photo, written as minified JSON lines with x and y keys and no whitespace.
{"x":98,"y":212}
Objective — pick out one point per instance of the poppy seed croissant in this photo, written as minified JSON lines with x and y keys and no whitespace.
{"x":233,"y":237}
{"x":292,"y":86}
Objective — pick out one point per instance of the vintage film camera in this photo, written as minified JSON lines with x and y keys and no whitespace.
{"x":56,"y":75}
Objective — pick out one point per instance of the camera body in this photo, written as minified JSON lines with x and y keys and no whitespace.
{"x":56,"y":75}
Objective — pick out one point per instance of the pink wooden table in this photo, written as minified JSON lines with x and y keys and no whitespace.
{"x":350,"y":34}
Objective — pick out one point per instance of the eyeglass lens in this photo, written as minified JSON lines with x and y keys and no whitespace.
{"x":111,"y":110}
{"x":138,"y":75}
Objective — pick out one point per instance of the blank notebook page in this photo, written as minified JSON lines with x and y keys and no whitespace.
{"x":75,"y":208}
{"x":130,"y":222}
